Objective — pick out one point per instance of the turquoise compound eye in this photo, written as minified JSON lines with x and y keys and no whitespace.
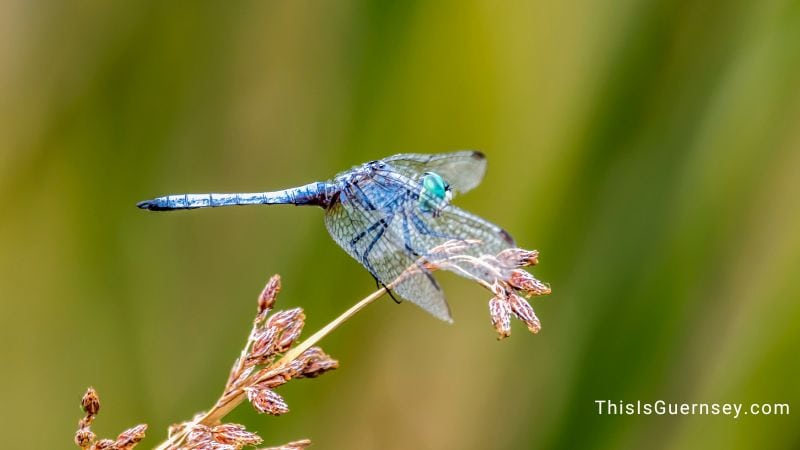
{"x":434,"y":193}
{"x":434,"y":186}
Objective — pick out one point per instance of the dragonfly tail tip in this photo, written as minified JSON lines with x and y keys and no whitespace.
{"x":148,"y":205}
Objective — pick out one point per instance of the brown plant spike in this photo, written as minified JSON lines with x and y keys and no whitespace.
{"x":266,"y":362}
{"x":502,"y":275}
{"x":272,"y":357}
{"x":86,"y":439}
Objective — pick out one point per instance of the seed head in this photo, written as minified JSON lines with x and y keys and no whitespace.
{"x":263,"y":345}
{"x":500,"y":312}
{"x":525,"y":282}
{"x":234,"y":434}
{"x":90,"y":403}
{"x":287,"y":326}
{"x":130,"y":437}
{"x":500,"y":274}
{"x":198,"y":436}
{"x":266,"y":401}
{"x":313,"y":363}
{"x":84,"y":438}
{"x":518,"y":257}
{"x":524,"y":312}
{"x":266,"y":300}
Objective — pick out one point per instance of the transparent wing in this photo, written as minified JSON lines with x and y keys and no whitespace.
{"x":463,"y":170}
{"x":379,"y":222}
{"x":456,"y":224}
{"x":373,"y":239}
{"x":424,"y":231}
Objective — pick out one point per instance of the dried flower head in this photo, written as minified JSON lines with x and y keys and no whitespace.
{"x":270,"y":358}
{"x":86,"y":439}
{"x":263,"y":346}
{"x":267,"y":361}
{"x":287,"y":326}
{"x":130,"y":437}
{"x":266,"y":401}
{"x":523,"y":311}
{"x":234,"y":434}
{"x":258,"y":371}
{"x":197,"y":435}
{"x":501,"y":274}
{"x":266,"y":300}
{"x":517,"y":257}
{"x":527,"y":284}
{"x":90,"y":403}
{"x":500,"y":312}
{"x":313,"y":363}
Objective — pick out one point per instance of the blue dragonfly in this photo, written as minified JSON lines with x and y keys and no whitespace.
{"x":388,"y":215}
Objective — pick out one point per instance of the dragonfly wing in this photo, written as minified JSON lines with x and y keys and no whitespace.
{"x":463,"y":170}
{"x":375,"y":240}
{"x":456,"y":224}
{"x":430,"y":230}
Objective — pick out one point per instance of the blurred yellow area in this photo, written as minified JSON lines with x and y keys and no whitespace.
{"x":650,"y":150}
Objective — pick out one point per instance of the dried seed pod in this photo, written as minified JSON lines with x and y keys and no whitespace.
{"x":198,"y":435}
{"x":313,"y":363}
{"x":263,"y":345}
{"x":267,"y":401}
{"x":500,"y":312}
{"x":84,"y":438}
{"x":130,"y":437}
{"x":518,"y":257}
{"x":90,"y":403}
{"x":524,"y":312}
{"x":525,"y":282}
{"x":269,"y":294}
{"x":234,"y":434}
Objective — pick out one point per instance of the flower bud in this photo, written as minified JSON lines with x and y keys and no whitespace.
{"x":90,"y":403}
{"x":500,"y":312}
{"x":268,"y":295}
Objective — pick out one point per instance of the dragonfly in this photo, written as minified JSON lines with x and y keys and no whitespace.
{"x":388,"y":215}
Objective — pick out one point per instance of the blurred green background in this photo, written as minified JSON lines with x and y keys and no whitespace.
{"x":649,"y":149}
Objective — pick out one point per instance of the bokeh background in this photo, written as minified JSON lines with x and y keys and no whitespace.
{"x":649,"y":149}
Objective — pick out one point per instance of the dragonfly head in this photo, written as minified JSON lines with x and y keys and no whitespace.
{"x":435,"y":193}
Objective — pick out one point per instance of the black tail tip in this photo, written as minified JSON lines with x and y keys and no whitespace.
{"x":149,"y":205}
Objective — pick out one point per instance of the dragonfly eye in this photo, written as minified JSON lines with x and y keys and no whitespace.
{"x":435,"y":192}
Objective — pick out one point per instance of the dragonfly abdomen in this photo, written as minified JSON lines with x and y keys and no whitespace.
{"x":318,"y":194}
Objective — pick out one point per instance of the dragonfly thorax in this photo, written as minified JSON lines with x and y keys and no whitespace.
{"x":434,"y":194}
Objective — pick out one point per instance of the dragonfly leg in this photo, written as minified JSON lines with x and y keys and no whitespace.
{"x":379,"y":284}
